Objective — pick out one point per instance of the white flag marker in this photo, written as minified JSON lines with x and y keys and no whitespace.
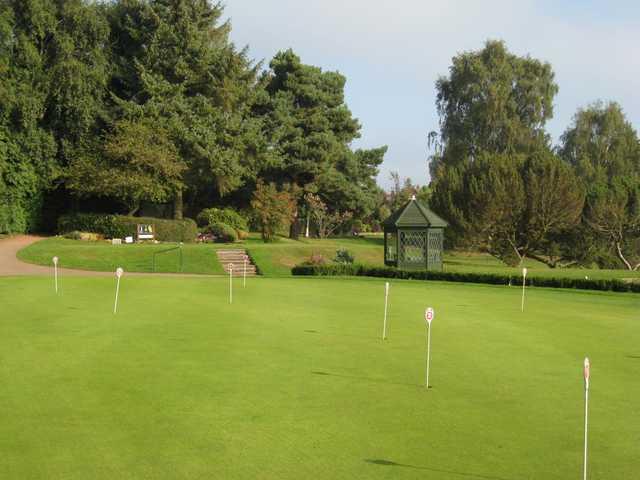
{"x":524,"y":282}
{"x":386,"y":302}
{"x":119,"y":272}
{"x":244,"y":274}
{"x":428,"y":317}
{"x":230,"y":283}
{"x":55,"y":272}
{"x":587,"y":368}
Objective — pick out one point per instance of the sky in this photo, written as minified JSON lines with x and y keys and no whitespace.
{"x":392,"y":53}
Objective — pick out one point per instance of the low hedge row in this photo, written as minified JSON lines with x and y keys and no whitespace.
{"x":487,"y":278}
{"x":119,"y":226}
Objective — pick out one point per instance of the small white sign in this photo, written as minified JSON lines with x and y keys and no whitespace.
{"x":428,"y":315}
{"x":128,"y":239}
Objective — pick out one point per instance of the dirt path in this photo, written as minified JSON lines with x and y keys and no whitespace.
{"x":10,"y":265}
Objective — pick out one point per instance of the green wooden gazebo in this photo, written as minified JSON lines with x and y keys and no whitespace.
{"x":413,"y":237}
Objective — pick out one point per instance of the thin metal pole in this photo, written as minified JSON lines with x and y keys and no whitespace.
{"x":230,"y":283}
{"x":55,"y":268}
{"x":524,"y":280}
{"x":386,"y":297}
{"x":115,"y":305}
{"x":428,"y":351}
{"x":244,"y":274}
{"x":586,"y":429}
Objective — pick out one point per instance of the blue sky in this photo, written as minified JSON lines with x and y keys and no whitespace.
{"x":393,"y":52}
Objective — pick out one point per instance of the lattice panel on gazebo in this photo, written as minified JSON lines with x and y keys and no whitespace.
{"x":413,"y":246}
{"x":435,"y":247}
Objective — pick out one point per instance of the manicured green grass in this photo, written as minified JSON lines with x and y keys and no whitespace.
{"x":102,"y":256}
{"x":292,"y":381}
{"x":274,"y":259}
{"x":277,"y":258}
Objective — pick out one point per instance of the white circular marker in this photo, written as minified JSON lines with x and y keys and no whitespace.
{"x":524,"y":272}
{"x":55,"y":260}
{"x":587,"y":368}
{"x":119,"y":272}
{"x":428,"y":315}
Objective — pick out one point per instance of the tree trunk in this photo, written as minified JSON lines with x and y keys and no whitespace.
{"x":294,"y":227}
{"x":133,"y":209}
{"x":306,"y":231}
{"x":177,"y":205}
{"x":626,"y":262}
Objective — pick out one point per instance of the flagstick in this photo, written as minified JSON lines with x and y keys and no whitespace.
{"x":55,"y":272}
{"x":524,"y":281}
{"x":428,"y":316}
{"x":244,"y":274}
{"x":428,"y":351}
{"x":386,"y":297}
{"x":119,"y":273}
{"x":586,"y":413}
{"x":230,"y":283}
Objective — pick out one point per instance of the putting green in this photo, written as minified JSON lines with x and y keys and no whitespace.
{"x":292,"y":381}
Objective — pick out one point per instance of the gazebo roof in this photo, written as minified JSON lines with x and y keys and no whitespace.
{"x":414,"y":214}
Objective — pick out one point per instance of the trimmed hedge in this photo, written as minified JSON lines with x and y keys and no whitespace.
{"x":119,"y":226}
{"x":224,"y":233}
{"x":228,"y":216}
{"x":486,"y":278}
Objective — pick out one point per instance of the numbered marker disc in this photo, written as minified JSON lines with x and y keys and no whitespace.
{"x":55,"y":260}
{"x":119,"y":272}
{"x":428,"y":315}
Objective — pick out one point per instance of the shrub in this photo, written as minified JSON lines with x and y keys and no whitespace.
{"x":228,"y":216}
{"x":118,"y":226}
{"x":315,"y":259}
{"x":75,"y":235}
{"x":467,"y":277}
{"x":242,"y":235}
{"x":344,"y":256}
{"x":224,"y":233}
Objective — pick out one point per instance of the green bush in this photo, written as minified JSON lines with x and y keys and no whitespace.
{"x":224,"y":233}
{"x":487,"y":278}
{"x":228,"y":216}
{"x":344,"y":256}
{"x":118,"y":226}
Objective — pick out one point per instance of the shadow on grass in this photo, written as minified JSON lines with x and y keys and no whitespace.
{"x":389,"y":463}
{"x":635,"y":357}
{"x":368,"y":379}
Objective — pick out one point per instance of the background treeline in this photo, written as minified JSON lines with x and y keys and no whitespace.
{"x":507,"y":190}
{"x":145,"y":107}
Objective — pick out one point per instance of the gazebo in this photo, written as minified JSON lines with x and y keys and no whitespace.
{"x":413,"y":237}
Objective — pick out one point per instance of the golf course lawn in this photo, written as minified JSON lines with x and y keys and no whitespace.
{"x":273,"y":259}
{"x":102,"y":256}
{"x":292,"y":381}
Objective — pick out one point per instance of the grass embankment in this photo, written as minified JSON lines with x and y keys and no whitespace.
{"x":273,"y":259}
{"x":292,"y":381}
{"x":102,"y":256}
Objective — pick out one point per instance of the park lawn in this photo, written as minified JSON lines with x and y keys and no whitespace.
{"x":293,"y":381}
{"x":273,"y":259}
{"x":102,"y":256}
{"x":278,"y":258}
